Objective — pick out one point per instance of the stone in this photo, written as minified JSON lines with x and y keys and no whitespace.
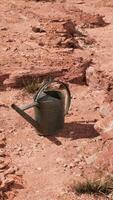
{"x":74,"y":97}
{"x":58,"y":41}
{"x":106,"y":110}
{"x":10,"y":40}
{"x":2,"y":153}
{"x":11,"y":170}
{"x":39,"y":169}
{"x":91,"y":76}
{"x":100,"y":77}
{"x":59,"y":160}
{"x":77,"y":73}
{"x":3,"y":165}
{"x":2,"y":140}
{"x":91,"y":159}
{"x":7,"y":183}
{"x":80,"y":167}
{"x":4,"y":29}
{"x":1,"y":160}
{"x":2,"y":137}
{"x":41,"y":43}
{"x":105,"y":128}
{"x":32,"y":37}
{"x":71,"y":165}
{"x":70,"y":43}
{"x":1,"y":130}
{"x":77,"y":160}
{"x":98,"y":138}
{"x":65,"y":165}
{"x":71,"y":133}
{"x":69,"y":27}
{"x":38,"y":29}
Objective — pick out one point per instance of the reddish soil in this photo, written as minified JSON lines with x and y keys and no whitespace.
{"x":69,"y":41}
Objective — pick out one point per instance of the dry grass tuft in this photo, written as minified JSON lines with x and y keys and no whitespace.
{"x":32,"y":85}
{"x":100,"y":186}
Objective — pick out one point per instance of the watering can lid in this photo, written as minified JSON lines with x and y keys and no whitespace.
{"x":43,"y":88}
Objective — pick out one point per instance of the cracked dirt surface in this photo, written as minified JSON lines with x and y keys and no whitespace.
{"x":69,"y":41}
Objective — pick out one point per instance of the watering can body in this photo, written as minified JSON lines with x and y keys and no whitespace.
{"x":49,"y":112}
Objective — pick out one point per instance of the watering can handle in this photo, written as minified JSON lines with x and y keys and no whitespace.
{"x":44,"y":86}
{"x":24,"y":114}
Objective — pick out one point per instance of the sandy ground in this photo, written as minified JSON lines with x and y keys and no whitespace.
{"x":48,"y":165}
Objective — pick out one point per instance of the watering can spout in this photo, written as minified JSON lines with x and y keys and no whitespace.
{"x":25,"y":115}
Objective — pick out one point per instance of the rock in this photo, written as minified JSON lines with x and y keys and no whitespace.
{"x":3,"y":165}
{"x":80,"y":167}
{"x":71,"y":165}
{"x":19,"y":151}
{"x":71,"y":133}
{"x":109,"y":97}
{"x":110,"y":196}
{"x":2,"y":144}
{"x":1,"y":160}
{"x":91,"y":76}
{"x":78,"y":149}
{"x":93,"y":21}
{"x":10,"y":40}
{"x":100,"y":77}
{"x":105,"y":128}
{"x":2,"y":153}
{"x":65,"y":165}
{"x":38,"y":29}
{"x":39,"y":169}
{"x":7,"y":183}
{"x":19,"y":78}
{"x":32,"y":37}
{"x":2,"y":178}
{"x":69,"y":27}
{"x":99,"y":96}
{"x":77,"y":160}
{"x":11,"y":170}
{"x":74,"y":97}
{"x":91,"y":159}
{"x":2,"y":140}
{"x":77,"y":73}
{"x":106,"y":110}
{"x":70,"y":43}
{"x":2,"y":137}
{"x":58,"y":41}
{"x":98,"y":138}
{"x":4,"y":29}
{"x":41,"y":43}
{"x":1,"y":130}
{"x":59,"y":160}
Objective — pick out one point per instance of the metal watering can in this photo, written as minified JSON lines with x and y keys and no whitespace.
{"x":50,"y":107}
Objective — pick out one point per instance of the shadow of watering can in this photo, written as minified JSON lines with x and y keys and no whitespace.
{"x":50,"y":107}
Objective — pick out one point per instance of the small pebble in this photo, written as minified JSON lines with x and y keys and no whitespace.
{"x":1,"y":160}
{"x":37,"y":29}
{"x":39,"y":168}
{"x":2,"y":153}
{"x":59,"y":160}
{"x":1,"y":130}
{"x":4,"y":29}
{"x":11,"y":170}
{"x":71,"y":165}
{"x":65,"y":165}
{"x":3,"y":165}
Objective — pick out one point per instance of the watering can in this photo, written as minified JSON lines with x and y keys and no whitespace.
{"x":50,"y":107}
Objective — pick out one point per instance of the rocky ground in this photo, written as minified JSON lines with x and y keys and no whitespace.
{"x":69,"y":41}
